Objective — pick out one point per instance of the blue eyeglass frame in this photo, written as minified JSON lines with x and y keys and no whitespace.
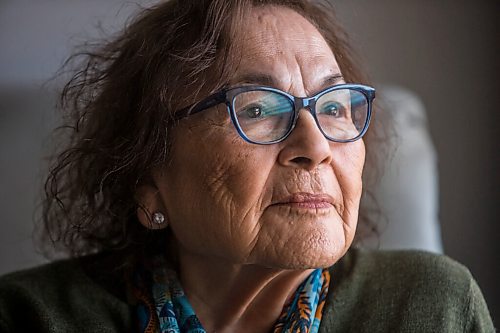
{"x":228,"y":95}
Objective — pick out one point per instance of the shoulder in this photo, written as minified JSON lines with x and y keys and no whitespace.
{"x":406,"y":275}
{"x":409,"y":266}
{"x":407,"y":291}
{"x":53,"y":295}
{"x":62,"y":270}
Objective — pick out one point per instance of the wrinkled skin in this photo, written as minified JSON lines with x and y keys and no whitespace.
{"x":226,"y":200}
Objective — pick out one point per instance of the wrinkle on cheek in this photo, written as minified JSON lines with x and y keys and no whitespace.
{"x":225,"y":183}
{"x":218,"y":118}
{"x":216,"y":183}
{"x":349,"y":228}
{"x":209,"y":122}
{"x":265,"y":243}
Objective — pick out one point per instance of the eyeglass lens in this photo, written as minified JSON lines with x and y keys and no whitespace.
{"x":266,"y":116}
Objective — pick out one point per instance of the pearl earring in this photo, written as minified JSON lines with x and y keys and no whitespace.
{"x":158,"y":218}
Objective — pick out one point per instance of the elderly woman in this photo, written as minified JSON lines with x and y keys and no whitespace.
{"x":212,"y":183}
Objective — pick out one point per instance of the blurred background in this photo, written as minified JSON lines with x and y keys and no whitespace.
{"x":436,"y":64}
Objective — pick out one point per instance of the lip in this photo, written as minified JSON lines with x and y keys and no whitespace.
{"x":306,"y":200}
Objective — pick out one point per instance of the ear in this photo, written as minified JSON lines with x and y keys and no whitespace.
{"x":149,"y":202}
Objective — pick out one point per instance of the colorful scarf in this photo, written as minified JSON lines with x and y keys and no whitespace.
{"x":163,"y":306}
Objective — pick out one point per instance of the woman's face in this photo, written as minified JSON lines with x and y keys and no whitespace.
{"x":289,"y":205}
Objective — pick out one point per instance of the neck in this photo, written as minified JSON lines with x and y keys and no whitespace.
{"x":237,"y":298}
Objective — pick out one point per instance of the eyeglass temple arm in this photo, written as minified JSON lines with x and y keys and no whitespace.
{"x":204,"y":104}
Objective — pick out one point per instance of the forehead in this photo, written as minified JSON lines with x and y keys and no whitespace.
{"x":280,"y":42}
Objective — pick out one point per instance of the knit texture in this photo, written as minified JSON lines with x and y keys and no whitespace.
{"x":370,"y":291}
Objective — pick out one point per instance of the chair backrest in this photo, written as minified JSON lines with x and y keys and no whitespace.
{"x":407,"y":193}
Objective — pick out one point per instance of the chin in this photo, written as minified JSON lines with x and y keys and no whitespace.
{"x":311,"y":254}
{"x":306,"y":243}
{"x":325,"y":246}
{"x":303,"y":264}
{"x":322,"y":258}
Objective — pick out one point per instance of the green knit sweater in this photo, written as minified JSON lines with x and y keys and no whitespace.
{"x":371,"y":291}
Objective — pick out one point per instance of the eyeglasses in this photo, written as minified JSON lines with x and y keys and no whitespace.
{"x":264,"y":115}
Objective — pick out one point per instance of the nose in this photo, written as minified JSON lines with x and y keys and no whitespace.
{"x":306,"y":147}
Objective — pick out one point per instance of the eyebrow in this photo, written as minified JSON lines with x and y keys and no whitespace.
{"x":268,"y":80}
{"x":332,"y":80}
{"x":256,"y":78}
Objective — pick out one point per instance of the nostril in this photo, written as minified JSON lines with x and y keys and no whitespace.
{"x":302,"y":161}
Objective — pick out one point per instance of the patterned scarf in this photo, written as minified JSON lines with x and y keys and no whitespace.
{"x":163,"y":306}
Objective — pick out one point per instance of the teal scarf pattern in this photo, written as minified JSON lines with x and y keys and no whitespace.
{"x":164,"y":308}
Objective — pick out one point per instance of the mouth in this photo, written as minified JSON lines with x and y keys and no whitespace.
{"x":306,"y":201}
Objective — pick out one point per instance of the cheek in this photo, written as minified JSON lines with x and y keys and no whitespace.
{"x":232,"y":182}
{"x":213,"y":193}
{"x":348,"y":161}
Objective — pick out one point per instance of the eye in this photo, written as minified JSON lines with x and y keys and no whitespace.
{"x":333,"y":109}
{"x":253,"y":111}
